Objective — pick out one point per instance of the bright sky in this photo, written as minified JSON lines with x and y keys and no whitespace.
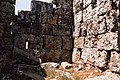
{"x":25,"y":5}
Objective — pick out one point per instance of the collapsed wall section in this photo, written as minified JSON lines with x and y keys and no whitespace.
{"x":96,"y":33}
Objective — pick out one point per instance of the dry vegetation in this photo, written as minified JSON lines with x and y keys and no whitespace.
{"x":70,"y":74}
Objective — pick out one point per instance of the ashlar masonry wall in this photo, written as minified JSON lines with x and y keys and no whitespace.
{"x":46,"y":31}
{"x":96,"y":33}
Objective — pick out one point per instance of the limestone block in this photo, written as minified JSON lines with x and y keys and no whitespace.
{"x":76,"y":55}
{"x":67,"y":42}
{"x":90,"y":41}
{"x":114,"y":64}
{"x":104,"y":7}
{"x":52,"y":42}
{"x":20,"y":41}
{"x":92,"y":55}
{"x":62,"y":30}
{"x":78,"y":17}
{"x":7,"y":7}
{"x":79,"y":42}
{"x":111,"y":21}
{"x":49,"y":18}
{"x":80,"y":30}
{"x":88,"y":2}
{"x":52,"y":55}
{"x":108,"y":41}
{"x":52,"y":19}
{"x":96,"y":26}
{"x":76,"y":31}
{"x":47,"y":29}
{"x":66,"y":56}
{"x":89,"y":13}
{"x":6,"y":17}
{"x":35,"y":29}
{"x":77,"y":6}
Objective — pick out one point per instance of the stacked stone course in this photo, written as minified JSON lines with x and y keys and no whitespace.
{"x":96,"y":32}
{"x":48,"y":30}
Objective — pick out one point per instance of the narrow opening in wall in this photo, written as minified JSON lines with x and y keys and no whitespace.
{"x":54,"y":6}
{"x":26,"y":45}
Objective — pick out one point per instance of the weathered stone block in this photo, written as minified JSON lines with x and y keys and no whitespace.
{"x":47,"y":29}
{"x":6,"y":17}
{"x":78,"y":17}
{"x":66,"y":56}
{"x":67,"y":42}
{"x":48,"y":18}
{"x":35,"y":29}
{"x":56,"y":56}
{"x":114,"y":64}
{"x":34,"y":42}
{"x":21,"y":29}
{"x":7,"y":7}
{"x":111,"y":21}
{"x":62,"y":30}
{"x":76,"y":55}
{"x":80,"y":30}
{"x":52,"y":55}
{"x":78,"y":6}
{"x":79,"y":42}
{"x":104,"y":7}
{"x":52,"y":19}
{"x":92,"y":55}
{"x":20,"y":41}
{"x":108,"y":41}
{"x":88,"y":2}
{"x":90,"y":42}
{"x":52,"y":42}
{"x":89,"y":14}
{"x":76,"y":31}
{"x":96,"y":26}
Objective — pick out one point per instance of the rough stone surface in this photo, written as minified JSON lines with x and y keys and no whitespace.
{"x":108,"y":41}
{"x":114,"y":64}
{"x":76,"y":56}
{"x":92,"y":55}
{"x":79,"y":42}
{"x":98,"y":22}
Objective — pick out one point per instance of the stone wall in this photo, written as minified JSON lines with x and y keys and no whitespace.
{"x":96,"y":33}
{"x":7,"y":11}
{"x":46,"y":31}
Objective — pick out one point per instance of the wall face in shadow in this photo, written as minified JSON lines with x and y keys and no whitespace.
{"x":44,"y":33}
{"x":48,"y":30}
{"x":96,"y":37}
